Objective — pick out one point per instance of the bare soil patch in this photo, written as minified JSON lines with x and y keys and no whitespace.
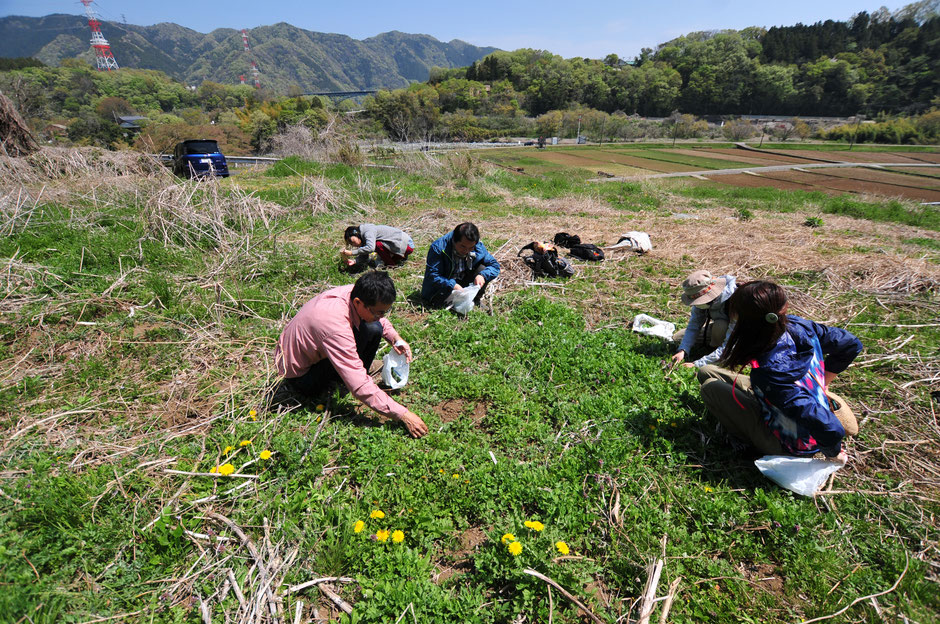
{"x":646,"y":164}
{"x":773,"y":158}
{"x":875,"y":157}
{"x":857,"y":185}
{"x":759,"y":181}
{"x":458,"y":562}
{"x":919,"y":171}
{"x":587,"y":162}
{"x":741,"y":156}
{"x":877,"y":175}
{"x":452,"y":409}
{"x":765,"y":576}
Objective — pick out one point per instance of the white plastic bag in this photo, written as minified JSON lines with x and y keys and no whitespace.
{"x":461,"y":301}
{"x":637,"y":241}
{"x":803,"y":475}
{"x":649,"y":326}
{"x":395,"y":368}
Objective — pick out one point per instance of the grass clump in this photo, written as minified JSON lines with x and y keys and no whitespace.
{"x":893,"y":211}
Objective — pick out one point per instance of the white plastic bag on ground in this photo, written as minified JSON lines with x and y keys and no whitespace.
{"x":461,"y":301}
{"x":637,"y":241}
{"x":803,"y":475}
{"x":395,"y":368}
{"x":649,"y":326}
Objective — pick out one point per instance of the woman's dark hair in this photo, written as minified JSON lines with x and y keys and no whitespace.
{"x":374,"y":287}
{"x":352,"y":230}
{"x":466,"y":231}
{"x":758,"y":312}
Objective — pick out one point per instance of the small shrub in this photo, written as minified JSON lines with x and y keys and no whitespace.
{"x":743,"y":214}
{"x":348,"y":153}
{"x":813,"y":222}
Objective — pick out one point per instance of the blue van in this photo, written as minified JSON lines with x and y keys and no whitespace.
{"x":199,"y":157}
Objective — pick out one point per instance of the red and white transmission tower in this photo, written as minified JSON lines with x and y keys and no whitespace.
{"x":103,"y":56}
{"x":254,"y":66}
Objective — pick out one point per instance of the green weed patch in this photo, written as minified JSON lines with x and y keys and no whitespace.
{"x":927,"y":217}
{"x":137,"y":361}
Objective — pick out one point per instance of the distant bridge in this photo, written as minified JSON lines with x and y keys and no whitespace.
{"x":342,"y":94}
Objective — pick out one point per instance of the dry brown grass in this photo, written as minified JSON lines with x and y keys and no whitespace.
{"x":83,"y":163}
{"x":195,"y":212}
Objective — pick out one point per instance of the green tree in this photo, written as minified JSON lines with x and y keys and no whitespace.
{"x":549,"y":124}
{"x":738,"y":129}
{"x":406,"y":114}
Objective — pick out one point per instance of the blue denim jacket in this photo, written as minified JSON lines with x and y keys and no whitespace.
{"x":442,"y":265}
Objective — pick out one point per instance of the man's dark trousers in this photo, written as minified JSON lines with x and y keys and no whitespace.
{"x":322,"y":376}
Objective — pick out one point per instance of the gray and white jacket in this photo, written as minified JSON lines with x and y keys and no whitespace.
{"x":396,"y":240}
{"x":717,"y":311}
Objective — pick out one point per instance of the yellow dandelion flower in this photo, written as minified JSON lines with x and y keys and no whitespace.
{"x":381,"y":535}
{"x":228,"y":449}
{"x":441,"y":471}
{"x":214,"y":469}
{"x":226,"y":469}
{"x":515,"y":548}
{"x":507,"y":537}
{"x":244,"y":443}
{"x":535,"y":525}
{"x":708,"y":489}
{"x":359,"y":526}
{"x":377,"y":514}
{"x":265,"y":454}
{"x":562,"y":548}
{"x":252,"y":413}
{"x":398,"y":537}
{"x":456,"y":476}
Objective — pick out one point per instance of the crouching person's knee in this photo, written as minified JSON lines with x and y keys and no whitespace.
{"x":709,"y":372}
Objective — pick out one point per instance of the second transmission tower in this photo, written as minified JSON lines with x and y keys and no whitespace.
{"x":254,"y":66}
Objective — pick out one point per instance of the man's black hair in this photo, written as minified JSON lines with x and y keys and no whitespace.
{"x":352,"y":230}
{"x":466,"y":231}
{"x":374,"y":287}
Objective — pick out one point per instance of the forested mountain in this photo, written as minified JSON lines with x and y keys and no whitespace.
{"x":876,"y":63}
{"x":286,"y":55}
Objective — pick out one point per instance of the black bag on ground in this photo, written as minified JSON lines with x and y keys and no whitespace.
{"x":566,"y":240}
{"x":545,"y":262}
{"x":587,"y":251}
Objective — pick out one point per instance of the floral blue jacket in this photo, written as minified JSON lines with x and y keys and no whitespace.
{"x":789,"y":381}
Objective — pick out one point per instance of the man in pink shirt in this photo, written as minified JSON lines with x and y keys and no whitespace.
{"x":334,"y":338}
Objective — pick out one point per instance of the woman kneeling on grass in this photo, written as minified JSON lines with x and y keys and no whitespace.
{"x":783,"y":407}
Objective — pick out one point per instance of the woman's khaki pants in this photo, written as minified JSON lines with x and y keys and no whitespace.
{"x":742,"y":417}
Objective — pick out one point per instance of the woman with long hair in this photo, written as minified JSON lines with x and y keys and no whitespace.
{"x":783,"y":406}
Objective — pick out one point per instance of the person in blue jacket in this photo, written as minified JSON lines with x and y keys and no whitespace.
{"x":456,"y":260}
{"x":783,"y":407}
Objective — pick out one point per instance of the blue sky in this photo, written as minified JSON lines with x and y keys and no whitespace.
{"x":591,"y":29}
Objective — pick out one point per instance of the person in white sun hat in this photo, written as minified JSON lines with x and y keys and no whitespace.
{"x":703,"y":340}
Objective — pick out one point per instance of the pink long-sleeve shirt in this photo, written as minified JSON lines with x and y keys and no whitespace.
{"x":323,"y":328}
